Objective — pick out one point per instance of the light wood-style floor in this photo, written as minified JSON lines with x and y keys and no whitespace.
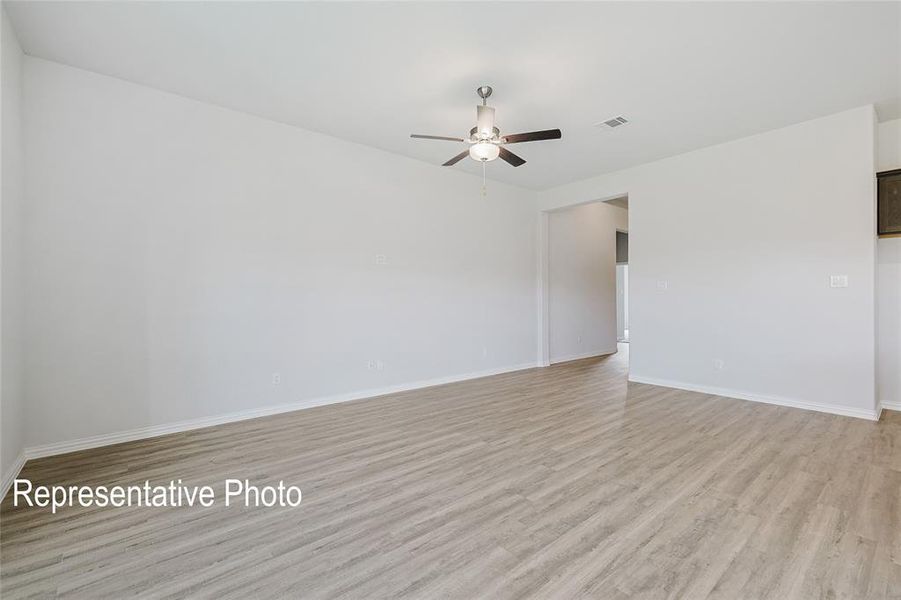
{"x":550,"y":483}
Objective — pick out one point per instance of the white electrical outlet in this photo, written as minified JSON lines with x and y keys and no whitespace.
{"x":381,"y":259}
{"x":276,"y":378}
{"x":719,"y":364}
{"x":579,"y":339}
{"x":662,"y":284}
{"x":484,"y":352}
{"x":838,"y":281}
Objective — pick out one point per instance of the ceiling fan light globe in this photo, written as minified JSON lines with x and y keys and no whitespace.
{"x":484,"y":151}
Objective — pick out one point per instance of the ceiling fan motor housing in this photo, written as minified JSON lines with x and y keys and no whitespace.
{"x":485,"y":122}
{"x":474,"y":135}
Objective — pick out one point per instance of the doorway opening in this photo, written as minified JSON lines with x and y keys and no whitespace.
{"x":622,"y":286}
{"x":583,"y":286}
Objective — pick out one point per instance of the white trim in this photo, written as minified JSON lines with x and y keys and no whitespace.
{"x":891,"y":405}
{"x":592,"y":354}
{"x":14,"y":471}
{"x":845,"y":411}
{"x":253,"y":413}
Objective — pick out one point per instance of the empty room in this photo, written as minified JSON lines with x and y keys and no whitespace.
{"x":467,"y":300}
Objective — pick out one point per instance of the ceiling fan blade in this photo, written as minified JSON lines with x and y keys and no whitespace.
{"x":435,"y":137}
{"x":456,"y":159}
{"x":510,"y":157}
{"x":533,"y":136}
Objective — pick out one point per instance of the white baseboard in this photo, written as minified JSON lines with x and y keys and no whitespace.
{"x":253,"y":413}
{"x":591,"y":354}
{"x":845,"y":411}
{"x":14,"y":471}
{"x":180,"y":426}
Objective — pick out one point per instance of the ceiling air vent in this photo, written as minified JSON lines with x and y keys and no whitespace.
{"x":614,"y":122}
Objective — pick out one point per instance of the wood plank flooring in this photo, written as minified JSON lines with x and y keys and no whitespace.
{"x":564,"y":482}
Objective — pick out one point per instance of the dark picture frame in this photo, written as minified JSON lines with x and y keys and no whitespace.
{"x":888,"y":203}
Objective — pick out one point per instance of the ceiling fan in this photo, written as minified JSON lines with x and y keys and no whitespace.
{"x":485,"y":140}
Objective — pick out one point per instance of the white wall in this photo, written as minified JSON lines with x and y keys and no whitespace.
{"x":889,"y":281}
{"x":12,"y":201}
{"x":888,"y":151}
{"x":182,"y":253}
{"x":582,"y":280}
{"x":745,"y":236}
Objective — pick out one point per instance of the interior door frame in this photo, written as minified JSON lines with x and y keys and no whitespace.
{"x":544,"y":331}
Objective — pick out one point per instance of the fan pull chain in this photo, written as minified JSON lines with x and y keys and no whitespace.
{"x":484,"y":185}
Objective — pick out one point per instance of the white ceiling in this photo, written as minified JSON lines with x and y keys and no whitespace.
{"x":687,"y":75}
